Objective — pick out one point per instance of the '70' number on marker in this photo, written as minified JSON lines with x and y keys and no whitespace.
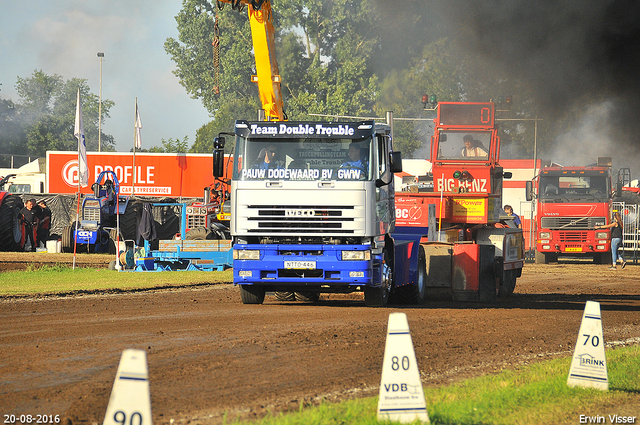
{"x":595,"y":341}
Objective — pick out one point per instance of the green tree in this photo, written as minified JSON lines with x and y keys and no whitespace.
{"x":172,"y":146}
{"x":48,"y":106}
{"x":323,"y":51}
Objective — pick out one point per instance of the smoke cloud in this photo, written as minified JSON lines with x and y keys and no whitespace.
{"x":579,"y":58}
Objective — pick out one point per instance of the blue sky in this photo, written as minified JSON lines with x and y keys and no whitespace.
{"x":64,"y":36}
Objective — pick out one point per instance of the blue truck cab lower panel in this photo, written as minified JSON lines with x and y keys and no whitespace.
{"x":305,"y":265}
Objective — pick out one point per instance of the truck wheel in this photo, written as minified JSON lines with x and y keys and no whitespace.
{"x":285,"y":296}
{"x":379,"y":296}
{"x":309,"y":297}
{"x":507,"y":283}
{"x":10,"y":228}
{"x":251,"y":294}
{"x":376,"y":296}
{"x":541,"y":258}
{"x":416,"y":294}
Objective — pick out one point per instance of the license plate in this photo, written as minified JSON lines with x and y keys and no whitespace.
{"x":299,"y":264}
{"x":578,"y":249}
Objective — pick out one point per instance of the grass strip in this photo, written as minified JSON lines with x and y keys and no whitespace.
{"x":62,"y":279}
{"x":530,"y":395}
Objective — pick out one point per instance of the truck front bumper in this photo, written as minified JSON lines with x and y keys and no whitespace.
{"x":304,"y":265}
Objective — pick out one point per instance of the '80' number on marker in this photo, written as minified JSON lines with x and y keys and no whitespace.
{"x":397,"y":363}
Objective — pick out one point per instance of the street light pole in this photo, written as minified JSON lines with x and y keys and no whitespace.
{"x":100,"y":55}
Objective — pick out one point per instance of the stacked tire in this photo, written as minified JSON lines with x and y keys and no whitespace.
{"x":10,"y":227}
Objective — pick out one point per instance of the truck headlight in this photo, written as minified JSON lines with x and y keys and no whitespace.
{"x":356,"y":255}
{"x":545,"y":235}
{"x":246,"y":254}
{"x":601,"y":247}
{"x":601,"y":235}
{"x":546,"y":246}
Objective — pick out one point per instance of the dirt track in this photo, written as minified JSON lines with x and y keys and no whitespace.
{"x":208,"y":354}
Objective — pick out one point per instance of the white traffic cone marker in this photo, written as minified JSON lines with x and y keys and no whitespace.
{"x":401,"y":394}
{"x":589,"y":364}
{"x":130,"y":401}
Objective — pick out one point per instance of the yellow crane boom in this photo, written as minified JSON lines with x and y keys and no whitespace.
{"x":267,"y":76}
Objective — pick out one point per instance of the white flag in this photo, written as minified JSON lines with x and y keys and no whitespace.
{"x":83,"y":169}
{"x":138,"y":126}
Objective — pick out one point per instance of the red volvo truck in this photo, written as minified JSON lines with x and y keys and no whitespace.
{"x":570,"y":202}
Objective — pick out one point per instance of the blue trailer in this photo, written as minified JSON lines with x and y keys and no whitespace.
{"x":197,"y":250}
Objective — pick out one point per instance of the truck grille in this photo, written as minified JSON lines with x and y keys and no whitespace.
{"x":572,"y":237}
{"x":301,"y":219}
{"x":559,"y":223}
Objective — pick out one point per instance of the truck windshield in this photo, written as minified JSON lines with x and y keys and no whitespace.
{"x":303,"y":159}
{"x":573,"y":188}
{"x":464,"y":145}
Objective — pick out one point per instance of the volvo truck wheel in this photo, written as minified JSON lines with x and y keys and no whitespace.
{"x":541,"y":258}
{"x":251,"y":294}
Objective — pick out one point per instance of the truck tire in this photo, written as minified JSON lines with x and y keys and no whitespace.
{"x":309,"y":297}
{"x":10,"y":228}
{"x":376,"y":296}
{"x":379,"y":296}
{"x":507,"y":283}
{"x":285,"y":296}
{"x":251,"y":294}
{"x":541,"y":258}
{"x":416,"y":294}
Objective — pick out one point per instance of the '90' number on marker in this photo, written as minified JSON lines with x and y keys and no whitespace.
{"x":396,"y":363}
{"x":121,"y":418}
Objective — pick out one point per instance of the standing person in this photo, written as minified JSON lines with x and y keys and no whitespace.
{"x":29,"y":219}
{"x":45,"y":223}
{"x":616,"y":239}
{"x":515,"y":217}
